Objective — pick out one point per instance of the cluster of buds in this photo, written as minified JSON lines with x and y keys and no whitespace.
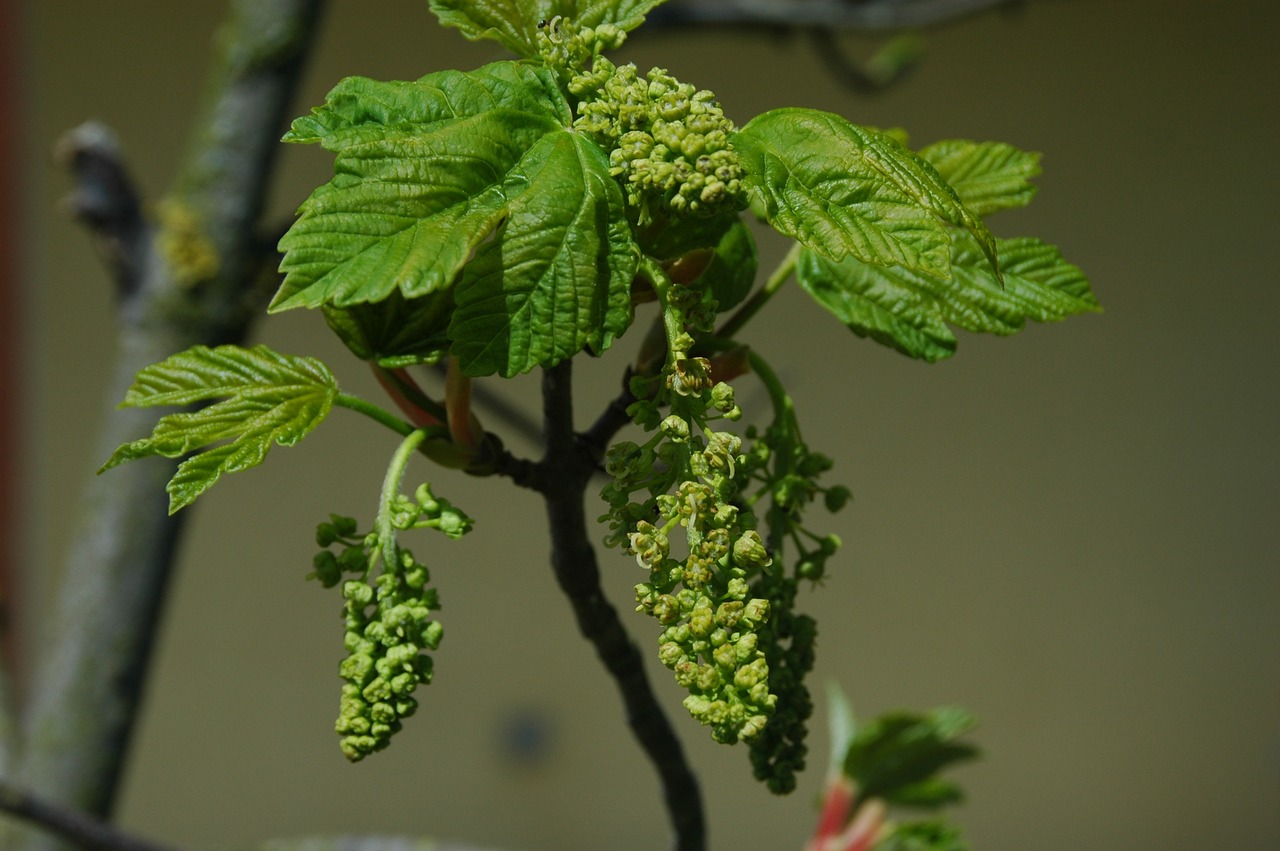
{"x":711,"y":622}
{"x":668,"y":142}
{"x":387,"y":618}
{"x":568,"y":48}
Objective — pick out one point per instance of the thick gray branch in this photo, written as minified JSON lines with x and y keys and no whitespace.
{"x":182,"y":282}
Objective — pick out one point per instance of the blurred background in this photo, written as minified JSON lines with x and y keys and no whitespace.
{"x":1072,"y":533}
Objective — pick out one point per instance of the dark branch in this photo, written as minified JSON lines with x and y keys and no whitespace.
{"x":564,"y":472}
{"x":71,"y":825}
{"x":866,"y":15}
{"x":611,"y":421}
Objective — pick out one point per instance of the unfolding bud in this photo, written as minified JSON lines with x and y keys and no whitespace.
{"x":749,"y":551}
{"x":675,"y":428}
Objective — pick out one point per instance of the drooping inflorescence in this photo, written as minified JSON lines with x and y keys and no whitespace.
{"x":699,"y":585}
{"x":387,"y":617}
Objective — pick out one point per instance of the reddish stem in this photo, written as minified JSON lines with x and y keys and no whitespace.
{"x":394,"y":381}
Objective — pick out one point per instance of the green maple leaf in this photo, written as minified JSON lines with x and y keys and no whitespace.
{"x":987,"y":176}
{"x":896,"y":757}
{"x":515,"y":22}
{"x":910,"y":312}
{"x":476,"y":170}
{"x":557,"y":276}
{"x":844,"y":190}
{"x":266,"y":398}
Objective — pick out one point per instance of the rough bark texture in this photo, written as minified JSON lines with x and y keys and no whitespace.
{"x":186,"y":279}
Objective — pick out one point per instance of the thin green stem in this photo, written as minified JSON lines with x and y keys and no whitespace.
{"x":752,"y":306}
{"x":372,"y":411}
{"x":782,"y":405}
{"x":671,"y":319}
{"x":391,"y":487}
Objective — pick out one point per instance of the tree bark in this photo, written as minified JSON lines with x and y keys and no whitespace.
{"x":186,"y":279}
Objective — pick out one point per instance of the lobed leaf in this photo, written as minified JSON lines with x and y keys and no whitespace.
{"x":557,"y":276}
{"x":271,"y":399}
{"x":420,"y":180}
{"x":515,"y":22}
{"x":909,"y":312}
{"x":987,"y":176}
{"x":844,"y":190}
{"x":896,"y":757}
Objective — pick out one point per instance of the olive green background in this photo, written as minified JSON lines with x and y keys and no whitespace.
{"x":1072,"y":533}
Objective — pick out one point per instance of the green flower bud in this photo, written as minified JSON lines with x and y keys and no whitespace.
{"x":750,"y":553}
{"x":377,"y":689}
{"x":752,"y":673}
{"x":357,"y":593}
{"x":431,"y":635}
{"x":745,"y":648}
{"x":675,"y":428}
{"x":836,"y":498}
{"x":325,"y":569}
{"x":756,"y":612}
{"x":671,"y":654}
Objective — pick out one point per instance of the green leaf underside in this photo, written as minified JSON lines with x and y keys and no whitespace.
{"x":557,"y":275}
{"x":515,"y":22}
{"x":271,"y":399}
{"x":843,"y":190}
{"x":732,"y":270}
{"x":897,"y":756}
{"x":421,"y":178}
{"x":923,"y":836}
{"x":987,"y":176}
{"x":909,"y":312}
{"x":396,"y":331}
